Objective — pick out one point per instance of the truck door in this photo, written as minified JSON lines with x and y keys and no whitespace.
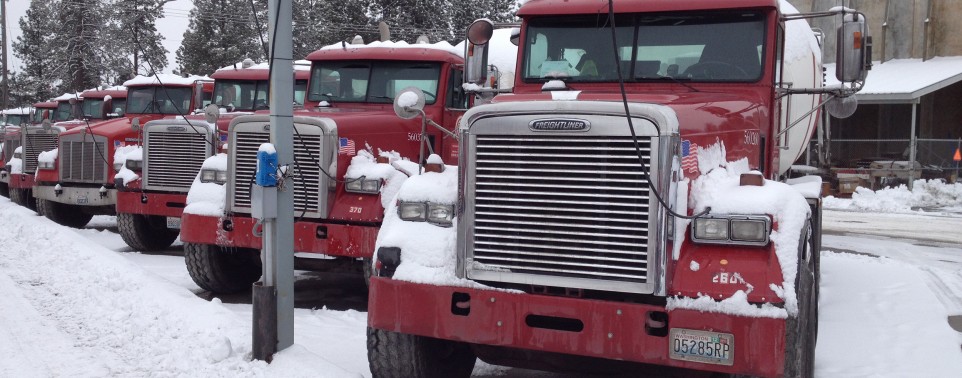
{"x":456,"y":102}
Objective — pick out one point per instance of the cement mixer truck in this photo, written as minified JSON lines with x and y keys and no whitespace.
{"x":623,"y":208}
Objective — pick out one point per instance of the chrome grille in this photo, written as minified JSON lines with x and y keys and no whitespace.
{"x":307,"y":180}
{"x":172,"y":159}
{"x":37,"y":141}
{"x":83,"y":161}
{"x":560,"y":205}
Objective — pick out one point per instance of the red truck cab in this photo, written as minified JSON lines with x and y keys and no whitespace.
{"x":348,"y":119}
{"x":592,"y":228}
{"x":79,"y":182}
{"x":149,"y":207}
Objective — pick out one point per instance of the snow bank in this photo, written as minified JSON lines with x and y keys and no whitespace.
{"x":208,"y":198}
{"x":48,"y":156}
{"x":718,"y":187}
{"x":924,"y":194}
{"x":364,"y":164}
{"x":121,"y":155}
{"x":883,"y":309}
{"x":102,"y":315}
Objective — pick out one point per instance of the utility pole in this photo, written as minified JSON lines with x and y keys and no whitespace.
{"x":5,"y":97}
{"x":277,"y":286}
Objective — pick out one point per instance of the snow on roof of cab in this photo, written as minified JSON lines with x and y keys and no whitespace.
{"x":20,"y":111}
{"x":164,"y":79}
{"x":299,"y":65}
{"x":904,"y":79}
{"x":68,"y":96}
{"x":443,"y":46}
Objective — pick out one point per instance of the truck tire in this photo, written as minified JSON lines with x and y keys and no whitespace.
{"x":222,"y":270}
{"x":67,"y":215}
{"x":368,"y":271}
{"x":802,"y":330}
{"x":23,"y":197}
{"x":145,"y":232}
{"x":392,"y":354}
{"x":4,"y":190}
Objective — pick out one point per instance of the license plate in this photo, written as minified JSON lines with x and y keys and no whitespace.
{"x":82,"y":200}
{"x":173,"y":222}
{"x":701,"y":346}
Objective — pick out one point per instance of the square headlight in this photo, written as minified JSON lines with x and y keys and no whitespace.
{"x":412,"y":211}
{"x":752,"y":230}
{"x":211,"y":175}
{"x":135,"y":165}
{"x":371,"y":186}
{"x":441,"y":215}
{"x":220,"y":177}
{"x":711,"y":228}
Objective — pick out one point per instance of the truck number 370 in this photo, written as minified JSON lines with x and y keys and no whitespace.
{"x":355,"y":209}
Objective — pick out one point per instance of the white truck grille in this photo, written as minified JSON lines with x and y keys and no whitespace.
{"x":83,"y":161}
{"x":37,"y":141}
{"x":173,"y":155}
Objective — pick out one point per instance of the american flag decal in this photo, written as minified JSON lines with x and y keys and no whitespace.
{"x":689,"y":156}
{"x":345,"y":146}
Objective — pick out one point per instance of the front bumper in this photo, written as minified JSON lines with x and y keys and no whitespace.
{"x":79,"y":196}
{"x":146,"y":203}
{"x":346,"y":240}
{"x":612,"y":330}
{"x":21,"y":181}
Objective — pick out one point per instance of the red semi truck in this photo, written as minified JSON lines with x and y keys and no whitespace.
{"x":11,"y":141}
{"x":341,"y":176}
{"x":621,"y":209}
{"x":73,"y":110}
{"x":77,"y":182}
{"x":149,"y":207}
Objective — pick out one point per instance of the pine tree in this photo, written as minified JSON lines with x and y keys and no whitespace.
{"x":81,"y":58}
{"x":221,"y":33}
{"x":134,"y":28}
{"x":318,"y":23}
{"x":34,"y":47}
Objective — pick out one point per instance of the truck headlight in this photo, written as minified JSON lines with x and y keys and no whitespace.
{"x":363,"y":185}
{"x":437,"y":214}
{"x":213,"y":175}
{"x":45,"y":164}
{"x":135,"y":165}
{"x":732,"y":229}
{"x":117,"y":166}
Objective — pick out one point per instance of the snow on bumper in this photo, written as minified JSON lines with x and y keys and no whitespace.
{"x":610,"y":330}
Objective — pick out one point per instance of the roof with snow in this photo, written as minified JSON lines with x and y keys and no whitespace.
{"x":443,"y":46}
{"x":904,"y":80}
{"x":20,"y":111}
{"x":68,"y":96}
{"x":165,"y":79}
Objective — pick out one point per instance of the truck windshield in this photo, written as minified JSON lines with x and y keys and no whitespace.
{"x":705,"y":46}
{"x":37,"y":115}
{"x":158,"y":100}
{"x":241,"y":94}
{"x":93,"y":108}
{"x":64,"y":112}
{"x":118,"y":105}
{"x":17,"y":119}
{"x":373,"y":81}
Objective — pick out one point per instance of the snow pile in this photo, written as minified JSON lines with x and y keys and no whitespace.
{"x":883,"y":309}
{"x":48,"y":156}
{"x":800,"y":42}
{"x":91,"y":312}
{"x":431,"y":257}
{"x":208,"y":198}
{"x":15,"y":163}
{"x":737,"y":304}
{"x":924,"y":194}
{"x":364,"y":164}
{"x":718,"y":188}
{"x":121,"y":155}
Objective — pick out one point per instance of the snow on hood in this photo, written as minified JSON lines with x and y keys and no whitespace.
{"x":16,"y":164}
{"x":48,"y":156}
{"x":430,"y":258}
{"x":718,"y":187}
{"x":164,"y":79}
{"x":121,"y":155}
{"x":364,"y":164}
{"x":924,"y":194}
{"x":208,"y":198}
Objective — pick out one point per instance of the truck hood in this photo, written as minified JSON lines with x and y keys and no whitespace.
{"x":114,"y":128}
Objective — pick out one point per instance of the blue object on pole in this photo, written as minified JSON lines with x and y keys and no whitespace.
{"x":266,"y":168}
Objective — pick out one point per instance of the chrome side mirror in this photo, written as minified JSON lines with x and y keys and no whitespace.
{"x":854,"y":49}
{"x":409,"y":102}
{"x":476,"y":51}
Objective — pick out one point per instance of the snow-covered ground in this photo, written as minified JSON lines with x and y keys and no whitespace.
{"x":81,"y":303}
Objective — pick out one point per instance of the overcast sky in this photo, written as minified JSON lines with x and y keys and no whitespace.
{"x":172,"y":27}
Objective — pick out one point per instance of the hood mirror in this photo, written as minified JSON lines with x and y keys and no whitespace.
{"x":409,"y":102}
{"x":135,"y":124}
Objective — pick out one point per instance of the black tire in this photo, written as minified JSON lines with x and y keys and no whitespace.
{"x":145,"y":232}
{"x":368,"y":271}
{"x":802,"y":330}
{"x":4,"y":190}
{"x":222,"y":270}
{"x":23,"y":197}
{"x":392,"y":354}
{"x":67,"y":215}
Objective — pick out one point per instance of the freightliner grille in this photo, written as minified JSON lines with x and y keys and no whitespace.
{"x":307,"y":152}
{"x":173,"y":159}
{"x":561,"y":206}
{"x":36,"y":143}
{"x":83,"y":161}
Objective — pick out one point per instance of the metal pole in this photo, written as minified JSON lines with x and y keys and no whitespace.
{"x":912,"y":147}
{"x":6,"y":82}
{"x":278,"y":240}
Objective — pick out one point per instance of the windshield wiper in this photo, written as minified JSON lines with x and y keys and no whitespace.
{"x":669,"y":78}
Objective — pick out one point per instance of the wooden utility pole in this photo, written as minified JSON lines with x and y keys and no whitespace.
{"x":5,"y":97}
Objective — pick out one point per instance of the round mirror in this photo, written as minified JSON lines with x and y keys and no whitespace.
{"x":409,"y":102}
{"x":135,"y":124}
{"x":841,"y":107}
{"x":480,"y":31}
{"x":211,"y":113}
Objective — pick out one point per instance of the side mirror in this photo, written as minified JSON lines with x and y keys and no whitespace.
{"x":476,"y":51}
{"x":854,"y":49}
{"x":409,"y":102}
{"x":119,"y":111}
{"x":515,"y":36}
{"x":46,"y":124}
{"x":135,"y":124}
{"x":211,"y":113}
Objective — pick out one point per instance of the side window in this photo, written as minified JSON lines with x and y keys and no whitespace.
{"x":456,"y":98}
